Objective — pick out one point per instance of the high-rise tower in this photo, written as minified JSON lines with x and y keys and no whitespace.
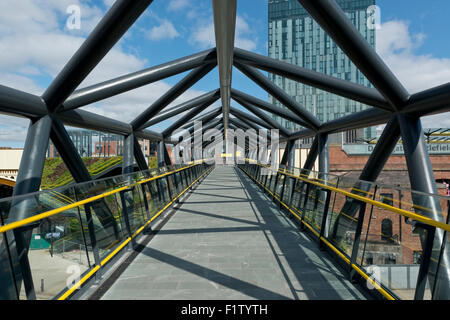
{"x":296,"y":38}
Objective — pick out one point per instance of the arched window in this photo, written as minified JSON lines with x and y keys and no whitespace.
{"x":386,"y":229}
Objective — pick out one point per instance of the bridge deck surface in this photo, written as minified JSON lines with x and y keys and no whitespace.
{"x":228,"y":241}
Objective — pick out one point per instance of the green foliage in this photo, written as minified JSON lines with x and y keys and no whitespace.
{"x":55,"y":172}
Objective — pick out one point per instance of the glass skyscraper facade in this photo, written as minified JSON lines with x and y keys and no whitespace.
{"x":296,"y":38}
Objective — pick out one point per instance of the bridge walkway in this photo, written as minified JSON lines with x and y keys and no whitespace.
{"x":228,"y":240}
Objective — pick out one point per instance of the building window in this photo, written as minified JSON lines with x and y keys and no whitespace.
{"x":386,"y":229}
{"x":387,"y":198}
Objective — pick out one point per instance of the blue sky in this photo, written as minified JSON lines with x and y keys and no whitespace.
{"x":35,"y":43}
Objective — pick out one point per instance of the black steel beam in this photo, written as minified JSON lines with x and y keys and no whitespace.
{"x":28,"y":180}
{"x":336,"y":24}
{"x":138,"y":79}
{"x":188,"y":116}
{"x":206,"y":126}
{"x":422,"y":179}
{"x":88,"y":120}
{"x":204,"y":118}
{"x":68,"y":152}
{"x":271,"y":122}
{"x":171,"y":95}
{"x":139,"y":156}
{"x":430,"y":101}
{"x":240,"y":114}
{"x":128,"y":154}
{"x":280,"y":95}
{"x":343,"y":88}
{"x":109,"y":30}
{"x":207,"y":97}
{"x":372,"y":169}
{"x":324,"y":157}
{"x":312,"y":155}
{"x":19,"y":103}
{"x":160,"y":154}
{"x":236,"y":94}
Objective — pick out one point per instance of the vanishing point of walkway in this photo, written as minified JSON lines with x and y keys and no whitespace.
{"x":229,"y":241}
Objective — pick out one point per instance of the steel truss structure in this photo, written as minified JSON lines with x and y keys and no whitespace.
{"x":61,"y":105}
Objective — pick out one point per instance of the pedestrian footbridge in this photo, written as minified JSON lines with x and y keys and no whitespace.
{"x":204,"y":231}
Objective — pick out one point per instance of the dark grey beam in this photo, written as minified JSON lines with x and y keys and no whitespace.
{"x":205,"y":118}
{"x":68,"y":152}
{"x":280,"y":95}
{"x":267,"y":106}
{"x":382,"y":151}
{"x":149,"y":135}
{"x":324,"y":157}
{"x":188,"y":116}
{"x":335,"y":23}
{"x":224,"y":29}
{"x":167,"y":159}
{"x":288,"y":158}
{"x":28,"y":180}
{"x":240,"y":114}
{"x":271,"y":122}
{"x":430,"y":101}
{"x":78,"y":170}
{"x":207,"y":97}
{"x":343,"y":88}
{"x":312,"y":155}
{"x":160,"y":154}
{"x":372,"y":169}
{"x":171,"y":95}
{"x":211,"y":124}
{"x":128,"y":154}
{"x":109,"y":30}
{"x":88,"y":120}
{"x":357,"y":120}
{"x":249,"y":121}
{"x":139,"y":156}
{"x":422,"y":179}
{"x":19,"y":103}
{"x":138,"y":79}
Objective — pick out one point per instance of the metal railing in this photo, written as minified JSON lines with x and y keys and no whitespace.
{"x":365,"y":224}
{"x":98,"y":220}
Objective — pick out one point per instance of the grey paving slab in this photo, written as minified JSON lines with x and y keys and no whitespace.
{"x":229,"y":241}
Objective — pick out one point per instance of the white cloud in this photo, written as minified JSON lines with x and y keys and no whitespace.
{"x":204,"y":35}
{"x":396,"y":45}
{"x":35,"y":45}
{"x":176,"y":5}
{"x":165,"y":30}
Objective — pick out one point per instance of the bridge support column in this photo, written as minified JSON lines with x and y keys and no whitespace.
{"x":312,"y":156}
{"x":374,"y":165}
{"x":139,"y":156}
{"x":289,"y":154}
{"x":422,"y":179}
{"x":128,"y":154}
{"x":324,"y":157}
{"x":79,"y":172}
{"x":160,"y":154}
{"x":18,"y":240}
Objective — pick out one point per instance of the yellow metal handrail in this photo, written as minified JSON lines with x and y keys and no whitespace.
{"x":17,"y":224}
{"x":405,"y":213}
